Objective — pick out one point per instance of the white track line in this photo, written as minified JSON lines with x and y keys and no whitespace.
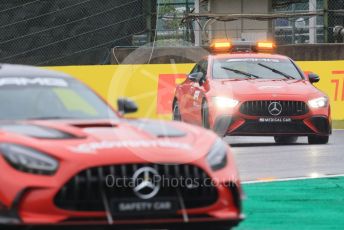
{"x":291,"y":179}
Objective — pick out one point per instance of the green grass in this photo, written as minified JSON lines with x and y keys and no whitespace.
{"x":338,"y":124}
{"x":303,"y":204}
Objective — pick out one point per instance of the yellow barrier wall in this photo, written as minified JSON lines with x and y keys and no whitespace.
{"x":151,"y":86}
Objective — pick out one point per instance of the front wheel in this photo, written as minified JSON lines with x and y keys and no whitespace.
{"x":318,"y":140}
{"x":285,"y":139}
{"x":176,"y":112}
{"x":205,"y":115}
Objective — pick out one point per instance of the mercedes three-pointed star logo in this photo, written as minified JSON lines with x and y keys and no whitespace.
{"x":147,"y":183}
{"x":275,"y":108}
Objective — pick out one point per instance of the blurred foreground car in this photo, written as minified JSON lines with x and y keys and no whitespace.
{"x":67,"y":158}
{"x":242,"y":89}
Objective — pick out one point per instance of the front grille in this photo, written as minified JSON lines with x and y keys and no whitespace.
{"x":83,"y":191}
{"x":256,"y":127}
{"x":261,"y":108}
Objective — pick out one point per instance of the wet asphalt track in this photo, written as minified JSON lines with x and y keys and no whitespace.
{"x":259,"y":158}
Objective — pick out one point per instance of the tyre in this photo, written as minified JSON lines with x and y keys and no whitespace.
{"x":285,"y":139}
{"x":318,"y":140}
{"x":176,"y":116}
{"x":205,"y":115}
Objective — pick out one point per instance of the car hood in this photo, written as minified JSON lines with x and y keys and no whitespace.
{"x":238,"y":88}
{"x":131,"y":140}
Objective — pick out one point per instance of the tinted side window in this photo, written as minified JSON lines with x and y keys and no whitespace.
{"x":204,"y":67}
{"x":196,"y":69}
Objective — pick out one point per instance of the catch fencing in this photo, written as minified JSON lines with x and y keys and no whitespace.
{"x":65,"y":32}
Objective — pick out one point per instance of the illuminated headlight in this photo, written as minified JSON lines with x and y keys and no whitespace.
{"x":225,"y":102}
{"x":28,"y":160}
{"x":217,"y":157}
{"x":320,"y":102}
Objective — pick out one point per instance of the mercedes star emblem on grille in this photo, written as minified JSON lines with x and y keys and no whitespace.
{"x":147,"y":183}
{"x":275,"y":108}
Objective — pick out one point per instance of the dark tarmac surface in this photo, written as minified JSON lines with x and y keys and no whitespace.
{"x":259,"y":158}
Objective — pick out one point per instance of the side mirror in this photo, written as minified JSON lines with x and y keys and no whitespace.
{"x":196,"y":77}
{"x":313,"y":78}
{"x":126,"y":106}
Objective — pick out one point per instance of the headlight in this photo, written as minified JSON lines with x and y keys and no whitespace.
{"x":225,"y":102}
{"x":217,"y":157}
{"x":28,"y":160}
{"x":320,"y":102}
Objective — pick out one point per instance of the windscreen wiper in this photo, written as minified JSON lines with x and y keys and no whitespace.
{"x":250,"y":75}
{"x":277,"y":71}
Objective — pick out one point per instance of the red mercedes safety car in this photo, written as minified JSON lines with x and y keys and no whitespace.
{"x":244,"y":89}
{"x":67,"y":158}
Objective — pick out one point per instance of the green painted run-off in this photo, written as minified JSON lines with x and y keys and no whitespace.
{"x":301,"y":204}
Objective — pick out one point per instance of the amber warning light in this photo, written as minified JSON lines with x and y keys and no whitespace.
{"x":267,"y":46}
{"x":221,"y":45}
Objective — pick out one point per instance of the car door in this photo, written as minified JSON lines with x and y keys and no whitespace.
{"x":198,"y":92}
{"x":186,"y":101}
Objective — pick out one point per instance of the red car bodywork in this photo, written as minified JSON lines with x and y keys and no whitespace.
{"x":190,"y":95}
{"x":90,"y":149}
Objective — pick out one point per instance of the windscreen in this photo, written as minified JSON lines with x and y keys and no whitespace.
{"x":49,"y":98}
{"x":266,"y":68}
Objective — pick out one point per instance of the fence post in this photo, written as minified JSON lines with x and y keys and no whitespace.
{"x":326,"y":21}
{"x":198,"y":33}
{"x":313,"y":22}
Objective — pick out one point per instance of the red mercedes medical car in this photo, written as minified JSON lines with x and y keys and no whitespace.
{"x":67,"y":158}
{"x":244,"y":89}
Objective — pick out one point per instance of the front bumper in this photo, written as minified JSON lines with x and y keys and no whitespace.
{"x":217,"y":214}
{"x":34,"y":205}
{"x":253,"y":118}
{"x":162,"y":223}
{"x":272,"y":126}
{"x":195,"y":223}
